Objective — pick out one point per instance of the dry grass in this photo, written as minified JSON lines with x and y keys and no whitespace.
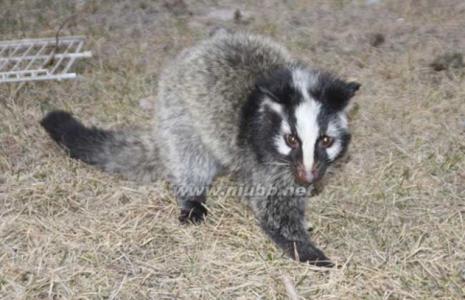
{"x":392,"y":215}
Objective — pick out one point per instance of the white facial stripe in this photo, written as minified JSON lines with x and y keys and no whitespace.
{"x":279,"y":141}
{"x":343,"y":123}
{"x":334,"y":129}
{"x":276,"y":107}
{"x":334,"y":150}
{"x":306,"y":115}
{"x":303,"y":80}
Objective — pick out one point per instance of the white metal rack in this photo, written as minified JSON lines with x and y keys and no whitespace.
{"x":40,"y":59}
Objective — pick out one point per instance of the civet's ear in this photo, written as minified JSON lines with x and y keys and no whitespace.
{"x":352,"y":87}
{"x":263,"y":90}
{"x":271,"y":101}
{"x":336,"y":93}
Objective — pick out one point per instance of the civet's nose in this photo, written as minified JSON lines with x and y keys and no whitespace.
{"x":315,"y":174}
{"x":303,"y":177}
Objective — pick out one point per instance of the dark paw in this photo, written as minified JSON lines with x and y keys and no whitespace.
{"x":321,"y":263}
{"x":194,"y":214}
{"x":314,"y":256}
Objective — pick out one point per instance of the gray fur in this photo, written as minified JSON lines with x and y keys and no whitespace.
{"x":203,"y":79}
{"x":133,"y":154}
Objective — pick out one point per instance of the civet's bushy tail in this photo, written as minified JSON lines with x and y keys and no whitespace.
{"x":131,"y":154}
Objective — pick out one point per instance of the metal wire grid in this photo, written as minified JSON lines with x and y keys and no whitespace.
{"x":40,"y":59}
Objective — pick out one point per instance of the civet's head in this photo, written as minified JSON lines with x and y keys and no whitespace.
{"x":296,"y":121}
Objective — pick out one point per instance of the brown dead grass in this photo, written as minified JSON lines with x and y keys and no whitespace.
{"x":392,"y":215}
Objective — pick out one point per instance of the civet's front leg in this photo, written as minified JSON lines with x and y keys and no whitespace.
{"x":283,"y":219}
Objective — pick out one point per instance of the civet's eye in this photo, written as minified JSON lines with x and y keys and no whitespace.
{"x":326,"y":141}
{"x":292,"y":140}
